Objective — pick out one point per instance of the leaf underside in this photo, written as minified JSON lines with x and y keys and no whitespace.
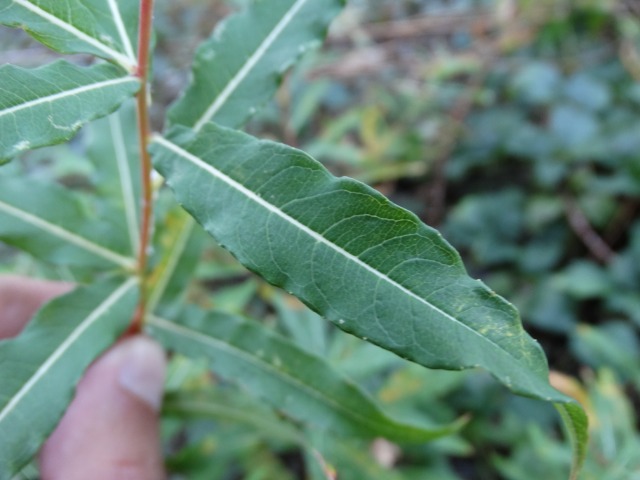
{"x":47,"y":360}
{"x":299,"y":384}
{"x":48,"y":105}
{"x":112,"y":147}
{"x":55,"y":226}
{"x":240,"y":67}
{"x":106,"y":28}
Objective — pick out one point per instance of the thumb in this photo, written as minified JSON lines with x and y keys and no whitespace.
{"x":110,"y":431}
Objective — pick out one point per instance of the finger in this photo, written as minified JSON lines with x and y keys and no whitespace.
{"x":110,"y":431}
{"x":21,"y":297}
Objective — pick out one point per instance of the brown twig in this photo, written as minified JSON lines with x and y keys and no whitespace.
{"x":144,"y":131}
{"x":579,"y":223}
{"x":432,"y":25}
{"x":436,"y":189}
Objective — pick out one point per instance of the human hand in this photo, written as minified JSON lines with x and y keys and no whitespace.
{"x":110,"y":431}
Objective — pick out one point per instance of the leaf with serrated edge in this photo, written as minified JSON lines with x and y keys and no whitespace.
{"x":300,"y":384}
{"x":239,"y":68}
{"x":367,"y":265}
{"x":106,"y":28}
{"x":51,"y":223}
{"x":48,"y":105}
{"x":47,"y":360}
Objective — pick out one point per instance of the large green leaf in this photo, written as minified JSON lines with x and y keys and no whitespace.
{"x":47,"y":360}
{"x":367,"y":265}
{"x":106,"y":28}
{"x":302,"y":385}
{"x":240,"y":66}
{"x":48,"y":105}
{"x":55,"y":225}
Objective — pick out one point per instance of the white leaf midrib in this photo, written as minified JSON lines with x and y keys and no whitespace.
{"x":124,"y":60}
{"x":126,"y":182}
{"x":122,"y":31}
{"x":67,"y":236}
{"x":239,"y":77}
{"x":64,"y":346}
{"x":67,"y":93}
{"x":313,"y":234}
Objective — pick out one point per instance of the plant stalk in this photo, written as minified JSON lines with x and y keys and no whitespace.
{"x":144,"y":133}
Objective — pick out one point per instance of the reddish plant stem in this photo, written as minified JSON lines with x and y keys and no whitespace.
{"x":144,"y":132}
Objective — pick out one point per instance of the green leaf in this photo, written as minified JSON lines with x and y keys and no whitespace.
{"x":240,"y":67}
{"x":231,"y":407}
{"x":54,"y":224}
{"x":48,"y":105}
{"x":292,"y":380}
{"x":113,"y":149}
{"x":236,"y":407}
{"x":180,"y":242}
{"x":47,"y":360}
{"x":367,"y":265}
{"x":576,"y":425}
{"x":106,"y":28}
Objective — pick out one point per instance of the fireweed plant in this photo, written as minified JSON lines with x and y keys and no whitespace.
{"x":348,"y":253}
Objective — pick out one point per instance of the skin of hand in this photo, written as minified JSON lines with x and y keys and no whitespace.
{"x":110,"y":431}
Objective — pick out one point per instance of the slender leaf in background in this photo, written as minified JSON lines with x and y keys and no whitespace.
{"x":304,"y":326}
{"x":369,"y":266}
{"x":230,"y":406}
{"x":55,"y":225}
{"x":113,"y":149}
{"x":106,"y":28}
{"x":179,"y":239}
{"x":240,"y":67}
{"x":48,"y":105}
{"x":302,"y":385}
{"x":47,"y":360}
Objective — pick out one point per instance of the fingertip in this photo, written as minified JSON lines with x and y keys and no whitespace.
{"x":143,"y":370}
{"x":110,"y":430}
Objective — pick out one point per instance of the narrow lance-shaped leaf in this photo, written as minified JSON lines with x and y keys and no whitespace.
{"x":299,"y":384}
{"x":106,"y":28}
{"x":47,"y":360}
{"x":238,"y":408}
{"x":239,"y":68}
{"x":367,"y":265}
{"x":55,"y":225}
{"x":231,"y":406}
{"x":113,"y":149}
{"x":48,"y":105}
{"x":179,"y":239}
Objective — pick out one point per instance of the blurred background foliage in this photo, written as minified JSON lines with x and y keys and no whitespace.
{"x":512,"y":126}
